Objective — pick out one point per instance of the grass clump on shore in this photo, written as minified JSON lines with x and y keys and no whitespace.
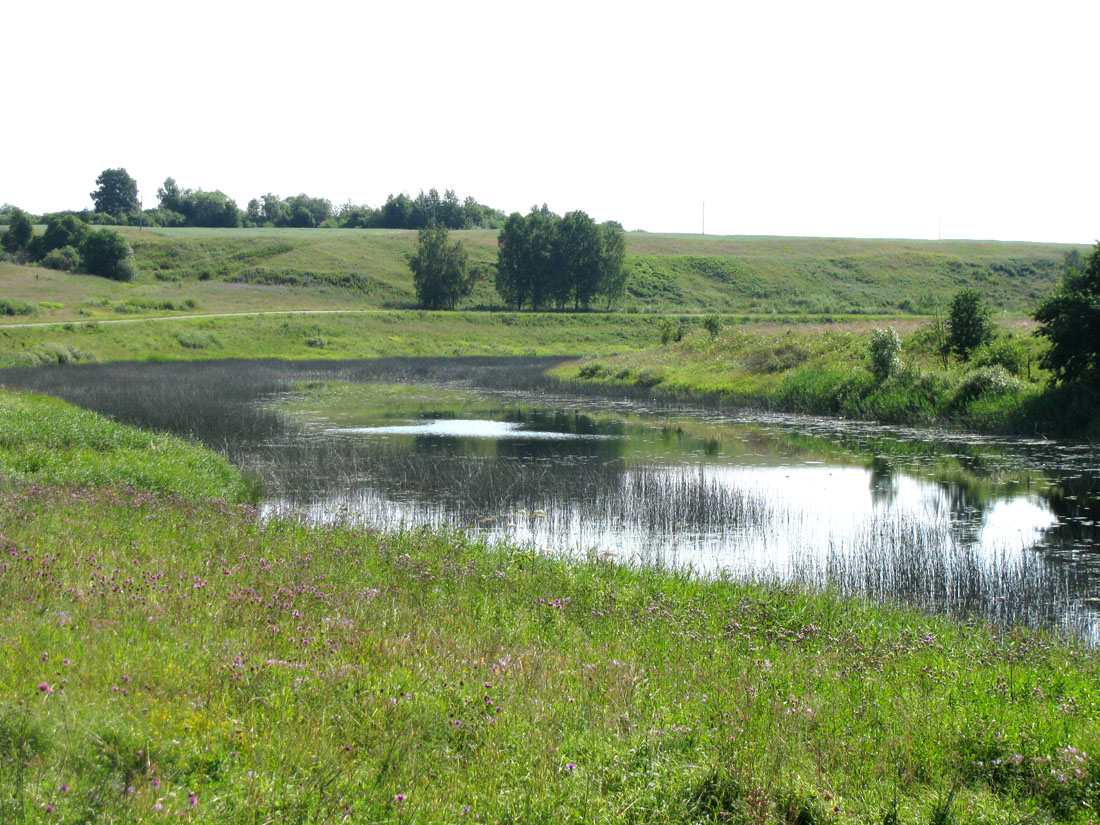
{"x":178,"y":659}
{"x":45,"y":441}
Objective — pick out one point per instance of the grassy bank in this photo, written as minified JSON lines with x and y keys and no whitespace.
{"x":170,"y":660}
{"x":170,"y":657}
{"x":46,"y":441}
{"x":823,"y":369}
{"x":227,"y":270}
{"x":329,"y":336}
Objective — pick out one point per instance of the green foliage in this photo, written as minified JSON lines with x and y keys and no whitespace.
{"x":1070,"y":321}
{"x":439,"y":269}
{"x":65,"y":259}
{"x":968,"y":322}
{"x":884,"y":350}
{"x":1007,"y":352}
{"x":106,"y":253}
{"x":543,"y":259}
{"x":713,"y":325}
{"x":198,"y":208}
{"x":19,"y":232}
{"x":9,"y":307}
{"x":116,"y":193}
{"x":670,"y":330}
{"x":61,"y":231}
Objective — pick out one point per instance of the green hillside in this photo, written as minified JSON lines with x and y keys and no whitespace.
{"x":207,"y":271}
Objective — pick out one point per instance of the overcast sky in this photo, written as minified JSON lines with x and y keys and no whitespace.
{"x":878,"y":119}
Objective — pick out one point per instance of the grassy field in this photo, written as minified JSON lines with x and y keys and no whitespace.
{"x":823,"y":369}
{"x":223,"y":270}
{"x":173,"y":657}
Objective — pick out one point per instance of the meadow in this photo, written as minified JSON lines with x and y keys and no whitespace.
{"x":171,"y":656}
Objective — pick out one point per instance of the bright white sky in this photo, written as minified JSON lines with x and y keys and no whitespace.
{"x":864,"y":119}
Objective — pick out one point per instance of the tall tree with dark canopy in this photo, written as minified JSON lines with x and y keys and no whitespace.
{"x":19,"y":231}
{"x":439,"y":269}
{"x":577,"y":250}
{"x":116,"y":193}
{"x":1070,"y":320}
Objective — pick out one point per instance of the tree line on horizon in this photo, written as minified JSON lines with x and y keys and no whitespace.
{"x":116,"y":203}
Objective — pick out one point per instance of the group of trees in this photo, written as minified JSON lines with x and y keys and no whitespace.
{"x":542,"y":261}
{"x":70,"y":245}
{"x":549,"y":261}
{"x":116,"y":201}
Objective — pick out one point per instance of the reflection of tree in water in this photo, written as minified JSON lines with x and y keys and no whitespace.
{"x":884,"y":482}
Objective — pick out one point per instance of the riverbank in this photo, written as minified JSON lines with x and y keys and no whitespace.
{"x":824,"y":369}
{"x":171,"y":655}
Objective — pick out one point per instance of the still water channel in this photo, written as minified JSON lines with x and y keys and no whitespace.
{"x":1004,"y":529}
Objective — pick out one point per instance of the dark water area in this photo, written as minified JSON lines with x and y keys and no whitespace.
{"x":1002,"y":529}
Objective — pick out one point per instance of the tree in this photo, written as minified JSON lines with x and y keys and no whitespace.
{"x":968,"y":323}
{"x":117,"y":193}
{"x":62,"y":231}
{"x":526,"y":259}
{"x":612,"y":275}
{"x":577,"y":249}
{"x":1070,"y":320}
{"x":19,"y":231}
{"x":106,"y":253}
{"x":439,"y":269}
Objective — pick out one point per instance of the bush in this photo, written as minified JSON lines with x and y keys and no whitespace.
{"x":8,"y":307}
{"x":884,"y":349}
{"x":106,"y":253}
{"x":65,"y":259}
{"x":713,"y":325}
{"x":1009,"y":353}
{"x":985,"y":382}
{"x":968,"y":323}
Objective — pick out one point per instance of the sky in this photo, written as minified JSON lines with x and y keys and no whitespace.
{"x":851,"y":119}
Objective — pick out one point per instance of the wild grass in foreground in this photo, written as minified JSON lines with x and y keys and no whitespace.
{"x":171,"y":660}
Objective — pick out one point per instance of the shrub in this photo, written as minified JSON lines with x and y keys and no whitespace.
{"x":106,"y":253}
{"x":8,"y":307}
{"x":985,"y":382}
{"x":968,"y":323}
{"x":884,"y":349}
{"x":713,"y":325}
{"x":65,"y":258}
{"x":1009,"y":353}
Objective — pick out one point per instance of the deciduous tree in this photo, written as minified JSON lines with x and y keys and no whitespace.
{"x":1070,"y":320}
{"x":439,"y":269}
{"x":116,"y":193}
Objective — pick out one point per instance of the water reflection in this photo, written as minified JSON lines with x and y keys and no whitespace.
{"x":1000,"y":527}
{"x":749,"y":504}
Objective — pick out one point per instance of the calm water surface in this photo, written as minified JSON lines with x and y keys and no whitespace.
{"x":1004,"y":529}
{"x":1000,"y":528}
